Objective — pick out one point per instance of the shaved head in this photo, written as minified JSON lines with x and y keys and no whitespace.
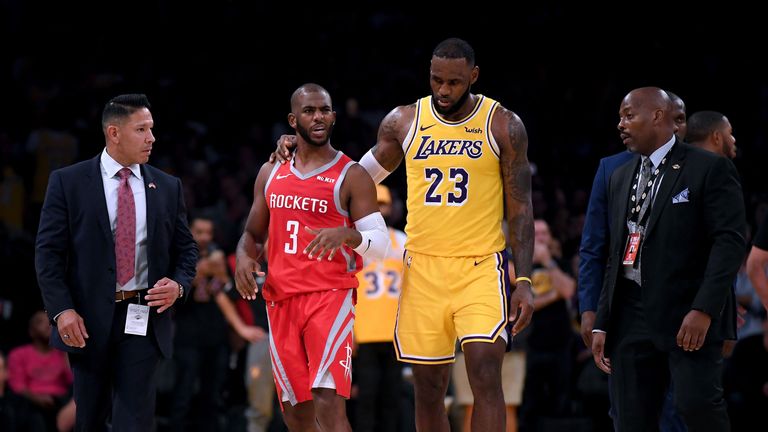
{"x":306,"y":89}
{"x":679,"y":115}
{"x":650,"y":98}
{"x":646,"y":119}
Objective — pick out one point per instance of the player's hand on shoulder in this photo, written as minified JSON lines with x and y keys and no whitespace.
{"x":285,"y":145}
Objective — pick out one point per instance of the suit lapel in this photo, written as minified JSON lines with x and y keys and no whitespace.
{"x":153,"y":201}
{"x":668,"y":182}
{"x":96,"y":190}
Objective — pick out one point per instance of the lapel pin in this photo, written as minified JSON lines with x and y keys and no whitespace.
{"x":675,"y":166}
{"x":152,"y":185}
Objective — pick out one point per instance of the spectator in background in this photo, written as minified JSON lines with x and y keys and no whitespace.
{"x":353,"y":131}
{"x":201,"y":344}
{"x":712,"y":131}
{"x":757,"y":263}
{"x":378,"y":374}
{"x":549,"y":351}
{"x":746,"y":381}
{"x":15,"y":413}
{"x":42,"y":375}
{"x":259,"y":382}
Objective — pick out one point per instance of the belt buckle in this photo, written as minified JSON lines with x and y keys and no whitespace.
{"x":122,"y":295}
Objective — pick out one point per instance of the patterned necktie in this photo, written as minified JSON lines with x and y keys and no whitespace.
{"x":639,"y":201}
{"x":125,"y":233}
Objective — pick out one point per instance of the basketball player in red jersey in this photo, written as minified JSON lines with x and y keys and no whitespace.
{"x":307,"y":210}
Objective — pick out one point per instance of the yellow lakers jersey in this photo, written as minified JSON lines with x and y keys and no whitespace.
{"x":378,"y":294}
{"x":455,"y":198}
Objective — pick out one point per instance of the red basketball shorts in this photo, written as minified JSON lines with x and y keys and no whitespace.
{"x":311,"y":343}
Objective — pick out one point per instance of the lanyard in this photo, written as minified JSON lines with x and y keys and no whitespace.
{"x":638,"y":211}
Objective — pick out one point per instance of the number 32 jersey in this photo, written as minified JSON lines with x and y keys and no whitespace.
{"x":297,"y":201}
{"x":455,"y":193}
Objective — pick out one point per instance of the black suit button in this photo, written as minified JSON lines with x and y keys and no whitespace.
{"x":111,"y":270}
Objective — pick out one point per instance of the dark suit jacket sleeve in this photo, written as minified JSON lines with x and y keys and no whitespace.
{"x":601,"y":317}
{"x":725,"y":225}
{"x":184,"y":247}
{"x":52,"y":249}
{"x":606,"y":285}
{"x":593,"y":249}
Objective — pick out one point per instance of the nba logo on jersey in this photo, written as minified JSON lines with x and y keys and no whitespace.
{"x":408,"y":261}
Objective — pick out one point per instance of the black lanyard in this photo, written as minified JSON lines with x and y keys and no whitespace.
{"x":637,"y":212}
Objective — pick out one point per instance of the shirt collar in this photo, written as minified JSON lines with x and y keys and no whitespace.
{"x":111,"y":166}
{"x":660,"y":152}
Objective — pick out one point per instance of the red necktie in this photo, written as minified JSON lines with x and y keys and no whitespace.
{"x":125,"y":233}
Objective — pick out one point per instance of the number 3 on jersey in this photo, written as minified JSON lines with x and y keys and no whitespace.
{"x":292,"y":227}
{"x":458,"y":176}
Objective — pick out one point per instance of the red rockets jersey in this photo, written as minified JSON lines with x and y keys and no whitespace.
{"x":296,"y":201}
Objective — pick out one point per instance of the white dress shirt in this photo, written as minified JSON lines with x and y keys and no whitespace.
{"x":111,"y":180}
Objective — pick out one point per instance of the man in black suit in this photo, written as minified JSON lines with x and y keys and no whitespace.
{"x":113,"y":253}
{"x":676,"y":243}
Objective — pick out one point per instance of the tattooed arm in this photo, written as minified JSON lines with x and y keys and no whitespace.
{"x":388,"y":150}
{"x":509,"y":132}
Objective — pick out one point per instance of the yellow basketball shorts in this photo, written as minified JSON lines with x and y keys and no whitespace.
{"x":444,"y":298}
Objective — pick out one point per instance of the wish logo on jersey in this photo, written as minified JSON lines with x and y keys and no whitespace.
{"x":448,"y":147}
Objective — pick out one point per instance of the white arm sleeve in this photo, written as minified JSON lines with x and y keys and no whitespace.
{"x":374,"y":168}
{"x":376,"y":241}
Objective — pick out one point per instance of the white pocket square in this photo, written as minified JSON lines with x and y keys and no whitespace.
{"x":682,"y":197}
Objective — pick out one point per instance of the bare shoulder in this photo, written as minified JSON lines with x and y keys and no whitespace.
{"x":393,"y":131}
{"x":508,"y":128}
{"x":356,"y":174}
{"x":398,"y":121}
{"x":358,"y":192}
{"x":267,"y":167}
{"x":264,"y":171}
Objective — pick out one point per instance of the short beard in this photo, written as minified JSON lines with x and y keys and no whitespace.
{"x":304,"y":133}
{"x":453,"y":108}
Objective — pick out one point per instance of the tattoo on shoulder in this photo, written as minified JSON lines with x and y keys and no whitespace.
{"x":515,"y":167}
{"x":397,"y":121}
{"x":518,"y":136}
{"x":389,"y":126}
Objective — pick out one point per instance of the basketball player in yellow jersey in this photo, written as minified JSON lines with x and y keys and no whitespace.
{"x":466,"y":163}
{"x":378,"y":374}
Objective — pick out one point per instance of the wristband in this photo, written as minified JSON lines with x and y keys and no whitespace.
{"x":523,"y":278}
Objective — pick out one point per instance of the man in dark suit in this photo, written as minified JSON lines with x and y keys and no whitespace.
{"x":593,"y":254}
{"x":113,"y":253}
{"x":593,"y":250}
{"x":676,"y":243}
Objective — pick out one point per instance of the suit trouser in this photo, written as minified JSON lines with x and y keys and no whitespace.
{"x":122,"y":381}
{"x":670,"y":419}
{"x":642,"y":373}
